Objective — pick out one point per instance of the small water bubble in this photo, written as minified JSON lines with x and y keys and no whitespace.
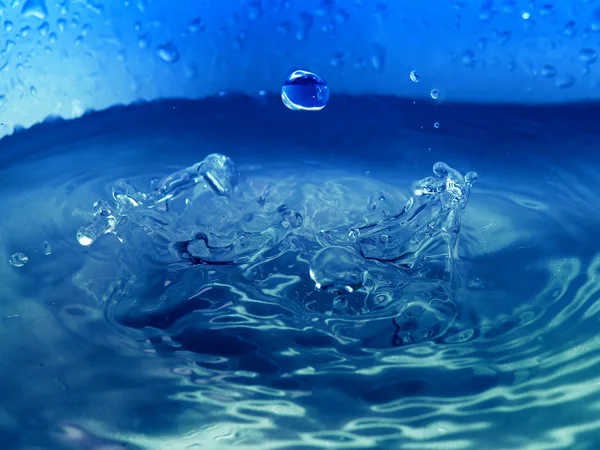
{"x":220,"y":173}
{"x":526,"y":15}
{"x":168,"y":52}
{"x":305,"y":91}
{"x":35,"y":8}
{"x":367,"y":173}
{"x":435,"y":93}
{"x":588,"y":56}
{"x":8,"y":26}
{"x":414,"y":76}
{"x":18,"y":259}
{"x":436,"y":125}
{"x":47,"y":248}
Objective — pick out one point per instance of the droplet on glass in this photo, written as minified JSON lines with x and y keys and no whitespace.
{"x":304,"y":91}
{"x":548,"y":71}
{"x":35,"y":8}
{"x":168,"y":52}
{"x":47,"y":248}
{"x":414,"y":76}
{"x":570,"y":28}
{"x":588,"y":56}
{"x":18,"y":259}
{"x":436,"y":125}
{"x":434,"y":94}
{"x":565,"y":81}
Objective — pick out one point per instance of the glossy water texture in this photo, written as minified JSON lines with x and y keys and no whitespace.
{"x":304,"y":91}
{"x":213,"y":275}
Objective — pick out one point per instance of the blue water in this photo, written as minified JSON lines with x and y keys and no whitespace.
{"x":141,"y":341}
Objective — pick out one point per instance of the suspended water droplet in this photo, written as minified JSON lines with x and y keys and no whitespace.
{"x":414,"y":76}
{"x":434,"y":94}
{"x":47,"y":248}
{"x":304,"y":91}
{"x":337,"y":269}
{"x":565,"y":81}
{"x":35,"y":8}
{"x":548,"y":71}
{"x":436,"y":125}
{"x":168,"y":52}
{"x":18,"y":259}
{"x":220,"y":173}
{"x":588,"y":56}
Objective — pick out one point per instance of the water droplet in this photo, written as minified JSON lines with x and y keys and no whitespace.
{"x":384,"y":238}
{"x":436,"y":125}
{"x":503,"y":37}
{"x":338,"y":59}
{"x":8,"y":26}
{"x":414,"y":76}
{"x":546,"y":10}
{"x":85,"y":29}
{"x":294,"y":219}
{"x":44,"y":28}
{"x":595,"y":26}
{"x":168,"y":52}
{"x":103,"y":222}
{"x":468,"y":58}
{"x":588,"y":56}
{"x":434,"y":94}
{"x":61,"y":24}
{"x":52,"y":38}
{"x":378,"y":58}
{"x":304,"y":91}
{"x":32,"y":90}
{"x":143,"y":41}
{"x":565,"y":81}
{"x":78,"y":41}
{"x":306,"y":23}
{"x":548,"y":71}
{"x":35,"y":8}
{"x":47,"y":248}
{"x":18,"y":259}
{"x":196,"y":26}
{"x":337,"y":269}
{"x":256,"y":10}
{"x":220,"y":173}
{"x":570,"y":29}
{"x":526,"y":15}
{"x":25,"y":31}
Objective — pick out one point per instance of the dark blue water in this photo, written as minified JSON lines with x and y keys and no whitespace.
{"x":198,"y":324}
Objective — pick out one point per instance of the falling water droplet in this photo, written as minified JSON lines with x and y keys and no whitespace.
{"x":47,"y":248}
{"x":35,"y":8}
{"x":304,"y":91}
{"x":18,"y":259}
{"x":434,"y":94}
{"x":414,"y":76}
{"x":168,"y":52}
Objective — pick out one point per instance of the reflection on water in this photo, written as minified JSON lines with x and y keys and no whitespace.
{"x":318,"y":300}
